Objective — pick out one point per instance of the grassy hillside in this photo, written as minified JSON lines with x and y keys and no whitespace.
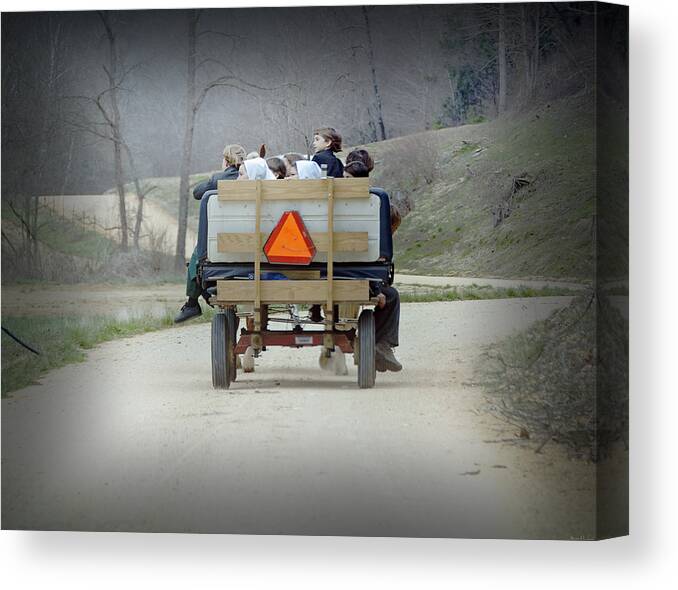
{"x":61,"y":235}
{"x":451,"y":229}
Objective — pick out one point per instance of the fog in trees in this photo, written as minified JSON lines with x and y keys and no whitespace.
{"x":100,"y":101}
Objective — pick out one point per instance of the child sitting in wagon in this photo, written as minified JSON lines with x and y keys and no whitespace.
{"x":326,"y":142}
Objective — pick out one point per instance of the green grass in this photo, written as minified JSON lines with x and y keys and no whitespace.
{"x":66,"y":236}
{"x":548,"y":233}
{"x":64,"y":340}
{"x":475,"y":292}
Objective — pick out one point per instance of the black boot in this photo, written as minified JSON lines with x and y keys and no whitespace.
{"x":385,"y":359}
{"x":207,"y":295}
{"x":190,"y":309}
{"x":315,"y":315}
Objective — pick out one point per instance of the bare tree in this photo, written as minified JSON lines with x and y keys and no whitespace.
{"x":501,"y":59}
{"x":304,"y":96}
{"x":32,"y":86}
{"x":373,"y":71}
{"x":531,"y":47}
{"x":112,"y":74}
{"x":195,"y":96}
{"x":108,"y":126}
{"x":189,"y":128}
{"x":416,"y":83}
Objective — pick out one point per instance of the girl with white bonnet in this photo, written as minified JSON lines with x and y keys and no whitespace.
{"x":255,"y":169}
{"x":308,"y":169}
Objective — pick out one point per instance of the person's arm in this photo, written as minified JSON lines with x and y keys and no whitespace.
{"x":339,"y":166}
{"x":376,"y":291}
{"x":207,"y":185}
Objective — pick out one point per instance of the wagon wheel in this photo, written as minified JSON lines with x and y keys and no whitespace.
{"x":232,"y":321}
{"x":366,"y":366}
{"x":223,"y":361}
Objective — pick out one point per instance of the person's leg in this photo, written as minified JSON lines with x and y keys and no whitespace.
{"x":387,"y":319}
{"x":191,"y":308}
{"x":387,"y":323}
{"x":201,"y":248}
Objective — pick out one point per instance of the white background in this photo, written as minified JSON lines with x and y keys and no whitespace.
{"x":645,"y":558}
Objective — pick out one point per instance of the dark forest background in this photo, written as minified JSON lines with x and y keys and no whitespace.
{"x":95,"y":100}
{"x":266,"y":75}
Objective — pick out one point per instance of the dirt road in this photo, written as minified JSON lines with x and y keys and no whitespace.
{"x":436,"y":281}
{"x":123,"y":301}
{"x":136,"y":439}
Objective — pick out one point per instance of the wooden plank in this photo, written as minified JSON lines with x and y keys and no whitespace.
{"x":343,"y":241}
{"x":240,"y":291}
{"x":232,"y":242}
{"x":237,"y":191}
{"x":295,"y":275}
{"x":347,"y":241}
{"x":257,"y":261}
{"x":329,"y":305}
{"x":294,"y":189}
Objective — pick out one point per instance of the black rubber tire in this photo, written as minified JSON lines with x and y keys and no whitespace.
{"x":221,"y":371}
{"x":367,"y":371}
{"x":232,"y":323}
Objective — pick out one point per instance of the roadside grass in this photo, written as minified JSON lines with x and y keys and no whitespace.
{"x":70,"y":252}
{"x":64,"y":340}
{"x":421,"y":294}
{"x":564,"y":380}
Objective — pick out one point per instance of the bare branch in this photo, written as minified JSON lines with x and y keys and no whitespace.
{"x":221,"y":34}
{"x":4,"y":235}
{"x":21,"y":219}
{"x":208,"y":60}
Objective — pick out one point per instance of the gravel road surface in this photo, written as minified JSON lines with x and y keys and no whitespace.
{"x":136,"y":439}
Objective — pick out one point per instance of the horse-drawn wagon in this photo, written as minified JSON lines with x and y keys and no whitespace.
{"x":289,"y":243}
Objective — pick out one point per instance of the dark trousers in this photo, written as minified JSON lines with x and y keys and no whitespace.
{"x":201,"y":248}
{"x":200,"y":252}
{"x":387,"y":319}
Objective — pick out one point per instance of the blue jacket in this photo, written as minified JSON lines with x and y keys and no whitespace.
{"x":335,"y":168}
{"x":230,"y":173}
{"x":385,"y":237}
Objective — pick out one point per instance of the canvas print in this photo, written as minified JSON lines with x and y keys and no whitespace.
{"x":350,"y":270}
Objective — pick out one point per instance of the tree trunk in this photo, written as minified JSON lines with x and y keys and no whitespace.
{"x":527,"y":57}
{"x":140,"y":197}
{"x":117,"y":138}
{"x":501,"y":60}
{"x":535,"y":53}
{"x":187,"y":148}
{"x":121,"y":197}
{"x":53,"y":34}
{"x":140,"y":215}
{"x":375,"y":85}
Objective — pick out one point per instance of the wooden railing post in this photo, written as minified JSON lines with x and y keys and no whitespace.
{"x":256,"y":338}
{"x":329,"y":308}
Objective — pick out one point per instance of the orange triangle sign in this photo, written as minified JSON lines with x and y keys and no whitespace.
{"x":290,"y":242}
